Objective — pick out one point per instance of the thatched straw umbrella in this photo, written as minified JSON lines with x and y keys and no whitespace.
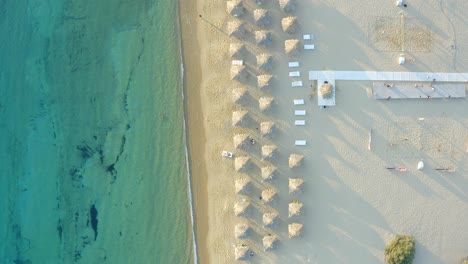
{"x":239,"y":95}
{"x":295,"y":229}
{"x":241,"y":140}
{"x":326,"y":91}
{"x":267,"y":128}
{"x":265,"y":102}
{"x":240,"y":117}
{"x":288,"y":5}
{"x":292,"y":46}
{"x":268,"y":195}
{"x":289,"y":24}
{"x":235,"y":7}
{"x":264,"y":81}
{"x":269,"y":173}
{"x":261,"y":16}
{"x":263,"y":38}
{"x":237,"y":50}
{"x":295,"y":184}
{"x":238,"y":72}
{"x":236,"y":29}
{"x":242,"y":184}
{"x":264,"y":62}
{"x":241,"y":163}
{"x":295,"y":208}
{"x":269,"y":152}
{"x":241,"y":231}
{"x":270,"y":219}
{"x":241,"y":208}
{"x":241,"y":253}
{"x":295,"y":160}
{"x":270,"y":242}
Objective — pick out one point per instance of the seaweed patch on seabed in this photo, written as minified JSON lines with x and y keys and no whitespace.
{"x":22,"y":245}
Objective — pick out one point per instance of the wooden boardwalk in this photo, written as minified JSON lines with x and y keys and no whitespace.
{"x":389,"y":76}
{"x":385,"y":91}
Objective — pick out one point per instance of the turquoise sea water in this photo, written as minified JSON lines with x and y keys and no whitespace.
{"x":92,"y":165}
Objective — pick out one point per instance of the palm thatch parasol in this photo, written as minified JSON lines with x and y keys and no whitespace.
{"x":295,"y":208}
{"x":264,"y":62}
{"x":269,"y":173}
{"x":267,"y":128}
{"x":295,"y":229}
{"x":289,"y":24}
{"x":236,"y":29}
{"x":270,"y":242}
{"x":241,"y":253}
{"x":238,"y":72}
{"x":239,"y":95}
{"x":326,"y":91}
{"x":295,"y":184}
{"x":270,"y":219}
{"x":288,"y":5}
{"x":264,"y":81}
{"x":242,"y":184}
{"x":241,"y":163}
{"x":235,"y":7}
{"x":295,"y":160}
{"x":241,"y":208}
{"x":241,"y":140}
{"x":261,"y":16}
{"x":241,"y":231}
{"x":240,"y":117}
{"x":237,"y":50}
{"x":263,"y":38}
{"x":269,"y":152}
{"x":292,"y":46}
{"x":265,"y":102}
{"x":268,"y":195}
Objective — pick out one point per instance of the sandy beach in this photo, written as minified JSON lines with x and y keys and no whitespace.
{"x":352,"y":205}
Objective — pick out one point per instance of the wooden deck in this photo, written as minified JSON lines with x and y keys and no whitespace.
{"x":381,"y":91}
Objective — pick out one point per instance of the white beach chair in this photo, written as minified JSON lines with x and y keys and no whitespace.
{"x":296,"y":84}
{"x":238,"y":62}
{"x":308,"y":37}
{"x":295,"y":74}
{"x":299,"y":122}
{"x":293,"y":64}
{"x":300,"y":112}
{"x":309,"y":47}
{"x":298,"y":101}
{"x":227,"y":154}
{"x":300,"y":143}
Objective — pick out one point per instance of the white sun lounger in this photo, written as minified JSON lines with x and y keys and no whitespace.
{"x":295,"y":74}
{"x":309,"y":47}
{"x":308,"y":37}
{"x":299,"y":122}
{"x":298,"y":101}
{"x":238,"y":62}
{"x":300,"y":143}
{"x":300,"y":112}
{"x":293,"y":64}
{"x":296,"y":84}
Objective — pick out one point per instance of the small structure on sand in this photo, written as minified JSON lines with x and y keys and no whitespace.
{"x":242,"y":231}
{"x":270,"y":219}
{"x":237,"y":50}
{"x":241,"y":252}
{"x":235,"y":7}
{"x":241,"y":163}
{"x":295,"y":160}
{"x":268,"y":195}
{"x":242,"y":185}
{"x":241,"y":140}
{"x":269,"y":242}
{"x":238,"y":73}
{"x":269,"y":173}
{"x":264,"y":82}
{"x":287,"y":5}
{"x":267,"y":129}
{"x":295,"y":229}
{"x":236,"y":29}
{"x":264,"y":62}
{"x":241,"y":208}
{"x":240,"y":118}
{"x":261,"y":16}
{"x":295,"y":184}
{"x":289,"y":24}
{"x":292,"y":46}
{"x":326,"y":90}
{"x":265,"y":102}
{"x":239,"y":95}
{"x":269,"y":152}
{"x":263,"y":38}
{"x":295,"y":208}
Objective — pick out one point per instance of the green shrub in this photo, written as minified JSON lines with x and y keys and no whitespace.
{"x":400,"y":251}
{"x":465,"y":261}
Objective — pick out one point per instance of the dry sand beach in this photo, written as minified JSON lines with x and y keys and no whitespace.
{"x":352,"y":205}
